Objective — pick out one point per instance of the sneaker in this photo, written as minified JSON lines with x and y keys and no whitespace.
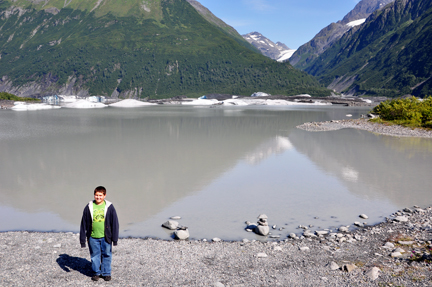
{"x":95,"y":277}
{"x":107,"y":278}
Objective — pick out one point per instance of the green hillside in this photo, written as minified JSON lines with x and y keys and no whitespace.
{"x":164,"y":49}
{"x":390,"y":55}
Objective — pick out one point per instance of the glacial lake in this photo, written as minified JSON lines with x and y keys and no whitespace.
{"x":214,"y":167}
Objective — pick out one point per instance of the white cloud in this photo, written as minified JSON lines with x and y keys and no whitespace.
{"x":260,"y":5}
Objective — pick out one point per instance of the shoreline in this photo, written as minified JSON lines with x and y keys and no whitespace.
{"x":365,"y":124}
{"x":367,"y":256}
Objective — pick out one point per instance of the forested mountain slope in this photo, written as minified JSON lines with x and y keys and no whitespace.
{"x":389,"y":55}
{"x":134,"y":48}
{"x":308,"y":52}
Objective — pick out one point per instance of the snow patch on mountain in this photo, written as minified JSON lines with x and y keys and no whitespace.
{"x":276,"y":51}
{"x":356,"y":22}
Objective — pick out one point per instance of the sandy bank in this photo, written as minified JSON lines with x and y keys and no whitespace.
{"x":364,"y":124}
{"x":56,"y":259}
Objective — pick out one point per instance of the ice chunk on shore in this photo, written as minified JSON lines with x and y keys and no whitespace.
{"x":131,"y":103}
{"x":19,"y":106}
{"x":83,"y":104}
{"x":201,"y":102}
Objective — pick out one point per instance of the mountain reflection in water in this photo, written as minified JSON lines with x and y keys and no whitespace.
{"x":162,"y":161}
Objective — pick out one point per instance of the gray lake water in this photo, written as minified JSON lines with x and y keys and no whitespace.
{"x":214,"y":167}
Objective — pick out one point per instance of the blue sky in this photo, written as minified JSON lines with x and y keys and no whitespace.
{"x":292,"y":22}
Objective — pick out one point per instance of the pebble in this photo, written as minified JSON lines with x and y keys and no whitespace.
{"x":333,"y":266}
{"x":396,"y":254}
{"x":216,"y":239}
{"x":364,"y":216}
{"x":359,"y":224}
{"x":261,"y":255}
{"x":304,"y":248}
{"x":175,"y":217}
{"x":401,"y":218}
{"x":343,"y":229}
{"x":57,"y":245}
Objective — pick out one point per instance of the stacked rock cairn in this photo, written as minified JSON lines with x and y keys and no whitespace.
{"x":261,"y":227}
{"x":181,"y":232}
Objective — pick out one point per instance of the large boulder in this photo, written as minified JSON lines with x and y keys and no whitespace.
{"x":182,"y":233}
{"x":262,"y":230}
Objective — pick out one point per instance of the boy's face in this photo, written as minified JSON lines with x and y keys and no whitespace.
{"x":99,"y":197}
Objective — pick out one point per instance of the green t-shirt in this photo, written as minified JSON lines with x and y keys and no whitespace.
{"x":98,"y":227}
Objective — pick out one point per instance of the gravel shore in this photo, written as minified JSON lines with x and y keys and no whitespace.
{"x":365,"y":124}
{"x":377,"y":255}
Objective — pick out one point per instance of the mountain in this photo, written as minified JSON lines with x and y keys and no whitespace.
{"x":389,"y":55}
{"x":134,"y":48}
{"x":210,"y":17}
{"x":327,"y":36}
{"x":279,"y":51}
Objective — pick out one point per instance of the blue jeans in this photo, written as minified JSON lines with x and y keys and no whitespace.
{"x":101,"y":254}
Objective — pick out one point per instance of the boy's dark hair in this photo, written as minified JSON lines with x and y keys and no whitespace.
{"x":100,"y":189}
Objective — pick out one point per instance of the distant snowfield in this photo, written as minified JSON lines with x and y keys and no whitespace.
{"x":356,"y":22}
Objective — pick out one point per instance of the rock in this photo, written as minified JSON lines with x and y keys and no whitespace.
{"x":216,"y":239}
{"x":277,"y":248}
{"x":349,"y":267}
{"x":262,"y":230}
{"x":364,"y":216}
{"x":359,"y":224}
{"x":407,"y":210}
{"x":292,"y":235}
{"x":274,"y":236}
{"x":175,"y":217}
{"x":245,"y":240}
{"x":261,"y":255}
{"x":171,"y":225}
{"x":333,"y":265}
{"x":401,"y":218}
{"x":182,"y":234}
{"x":389,"y":245}
{"x":406,"y":242}
{"x":218,"y":284}
{"x":274,"y":226}
{"x":373,"y":273}
{"x":262,"y":216}
{"x":304,"y":248}
{"x":399,"y":250}
{"x":343,"y":229}
{"x":321,"y":232}
{"x":57,"y":245}
{"x":396,"y":254}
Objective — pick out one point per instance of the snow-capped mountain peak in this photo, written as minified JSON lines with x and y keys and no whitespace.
{"x":276,"y":51}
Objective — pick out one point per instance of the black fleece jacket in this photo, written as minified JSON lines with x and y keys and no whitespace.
{"x":111,"y":224}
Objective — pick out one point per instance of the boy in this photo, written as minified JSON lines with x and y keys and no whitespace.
{"x":100,"y":228}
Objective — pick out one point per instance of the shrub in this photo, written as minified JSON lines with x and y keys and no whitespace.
{"x":409,"y":112}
